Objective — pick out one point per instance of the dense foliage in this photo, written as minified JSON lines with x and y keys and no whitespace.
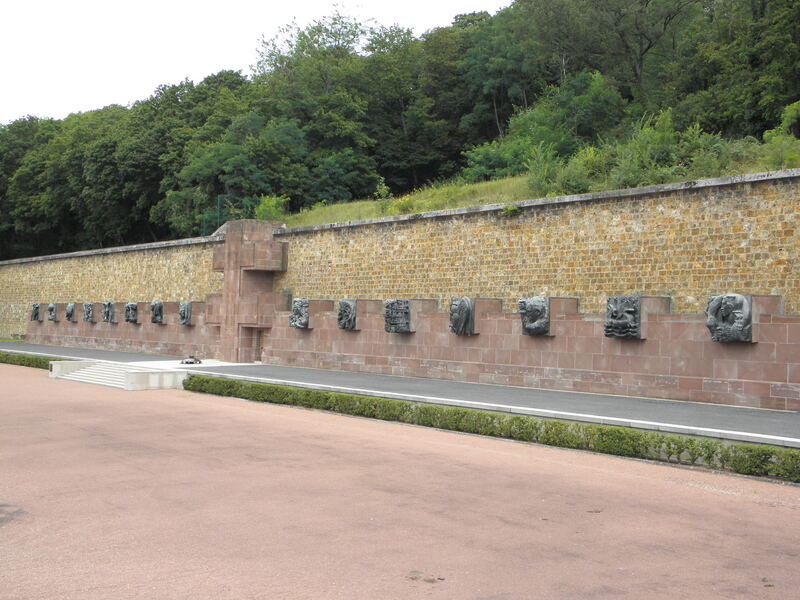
{"x":578,"y":93}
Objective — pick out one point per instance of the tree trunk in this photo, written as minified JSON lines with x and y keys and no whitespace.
{"x":496,"y":116}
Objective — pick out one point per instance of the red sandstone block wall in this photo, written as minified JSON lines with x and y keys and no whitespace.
{"x":678,"y":360}
{"x":169,"y":338}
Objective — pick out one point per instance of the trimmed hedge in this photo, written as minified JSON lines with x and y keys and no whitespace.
{"x":23,"y":360}
{"x":747,"y":459}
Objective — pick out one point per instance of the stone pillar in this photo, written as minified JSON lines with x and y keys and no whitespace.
{"x":248,"y":259}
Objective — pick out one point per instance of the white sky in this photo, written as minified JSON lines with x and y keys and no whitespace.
{"x":64,"y":56}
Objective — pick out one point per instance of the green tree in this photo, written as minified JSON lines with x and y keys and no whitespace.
{"x":45,"y":193}
{"x":280,"y":153}
{"x":408,"y":138}
{"x":504,"y":67}
{"x":740,"y":68}
{"x":17,"y":139}
{"x":638,"y":28}
{"x":570,"y":42}
{"x":314,"y":78}
{"x":442,"y":81}
{"x":220,"y":176}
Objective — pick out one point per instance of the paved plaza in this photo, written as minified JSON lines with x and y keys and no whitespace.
{"x":170,"y":494}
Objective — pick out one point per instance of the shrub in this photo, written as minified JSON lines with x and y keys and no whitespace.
{"x":655,"y":152}
{"x":510,"y":211}
{"x":271,"y":208}
{"x":588,"y":166}
{"x":617,"y":440}
{"x":480,"y":422}
{"x":543,"y":168}
{"x":748,"y":459}
{"x":780,"y":151}
{"x":787,"y":464}
{"x":710,"y":453}
{"x":563,"y":435}
{"x":674,"y":446}
{"x":387,"y":409}
{"x":693,"y":450}
{"x":23,"y":360}
{"x":516,"y":427}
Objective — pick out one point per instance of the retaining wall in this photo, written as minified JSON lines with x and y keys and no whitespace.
{"x":167,"y":271}
{"x":685,"y":242}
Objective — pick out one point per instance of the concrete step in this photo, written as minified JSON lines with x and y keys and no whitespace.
{"x":108,"y":374}
{"x":93,"y":380}
{"x":98,"y":376}
{"x":117,"y":375}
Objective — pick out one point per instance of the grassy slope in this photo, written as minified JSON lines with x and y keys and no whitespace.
{"x":625,"y":164}
{"x":438,"y":197}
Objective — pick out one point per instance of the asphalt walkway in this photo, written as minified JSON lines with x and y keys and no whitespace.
{"x":726,"y":422}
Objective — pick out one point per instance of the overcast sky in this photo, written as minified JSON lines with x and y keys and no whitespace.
{"x":64,"y":56}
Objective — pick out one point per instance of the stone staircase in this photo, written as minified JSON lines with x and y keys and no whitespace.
{"x":110,"y":374}
{"x":118,"y":375}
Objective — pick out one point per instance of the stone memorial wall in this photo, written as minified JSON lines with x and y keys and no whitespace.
{"x":686,"y":291}
{"x":688,"y":241}
{"x":675,"y":357}
{"x":168,"y":271}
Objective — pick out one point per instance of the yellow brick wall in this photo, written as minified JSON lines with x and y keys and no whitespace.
{"x":172,"y":273}
{"x":680,"y":242}
{"x":683,"y":242}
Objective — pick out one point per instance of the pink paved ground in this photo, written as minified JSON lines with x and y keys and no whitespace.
{"x":169,"y":494}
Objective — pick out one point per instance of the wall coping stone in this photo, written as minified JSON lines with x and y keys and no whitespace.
{"x":542,"y":202}
{"x":216,"y":238}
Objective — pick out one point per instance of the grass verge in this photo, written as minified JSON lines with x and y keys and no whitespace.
{"x":747,"y":459}
{"x":23,"y":360}
{"x":433,"y":197}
